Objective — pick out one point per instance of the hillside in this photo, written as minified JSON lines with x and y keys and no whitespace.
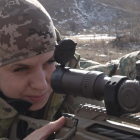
{"x":102,"y":16}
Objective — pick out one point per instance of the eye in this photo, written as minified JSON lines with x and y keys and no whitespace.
{"x":50,"y":61}
{"x":20,"y":69}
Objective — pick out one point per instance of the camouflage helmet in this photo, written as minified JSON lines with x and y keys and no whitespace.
{"x":26,"y":30}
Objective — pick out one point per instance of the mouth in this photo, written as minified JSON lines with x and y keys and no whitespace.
{"x":37,"y":98}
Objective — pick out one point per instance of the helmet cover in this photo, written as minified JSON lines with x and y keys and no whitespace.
{"x":26,"y":30}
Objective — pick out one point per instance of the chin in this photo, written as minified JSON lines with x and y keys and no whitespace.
{"x":36,"y":107}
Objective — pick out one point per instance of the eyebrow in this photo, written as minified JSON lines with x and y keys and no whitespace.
{"x":26,"y":65}
{"x":19,"y":64}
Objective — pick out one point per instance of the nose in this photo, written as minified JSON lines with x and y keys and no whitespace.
{"x":38,"y":80}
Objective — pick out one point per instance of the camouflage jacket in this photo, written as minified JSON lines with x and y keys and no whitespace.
{"x":7,"y":115}
{"x":125,"y":66}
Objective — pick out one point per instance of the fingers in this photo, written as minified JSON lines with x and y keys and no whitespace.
{"x":53,"y":126}
{"x":45,"y":131}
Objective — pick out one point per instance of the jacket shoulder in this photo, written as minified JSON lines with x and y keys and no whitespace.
{"x":6,"y":111}
{"x":127,"y":64}
{"x":7,"y":115}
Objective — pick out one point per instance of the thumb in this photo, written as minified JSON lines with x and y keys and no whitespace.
{"x":45,"y":131}
{"x":54,"y":126}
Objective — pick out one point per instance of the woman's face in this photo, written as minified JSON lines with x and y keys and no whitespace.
{"x":29,"y":79}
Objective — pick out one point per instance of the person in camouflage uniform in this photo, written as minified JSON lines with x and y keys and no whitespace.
{"x":126,"y":66}
{"x":27,"y":41}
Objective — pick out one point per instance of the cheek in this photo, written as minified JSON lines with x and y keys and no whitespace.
{"x":12,"y":87}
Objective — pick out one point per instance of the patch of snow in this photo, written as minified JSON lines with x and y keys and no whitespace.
{"x":62,"y":10}
{"x":62,"y":22}
{"x":98,"y":37}
{"x":54,"y":19}
{"x":103,"y":55}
